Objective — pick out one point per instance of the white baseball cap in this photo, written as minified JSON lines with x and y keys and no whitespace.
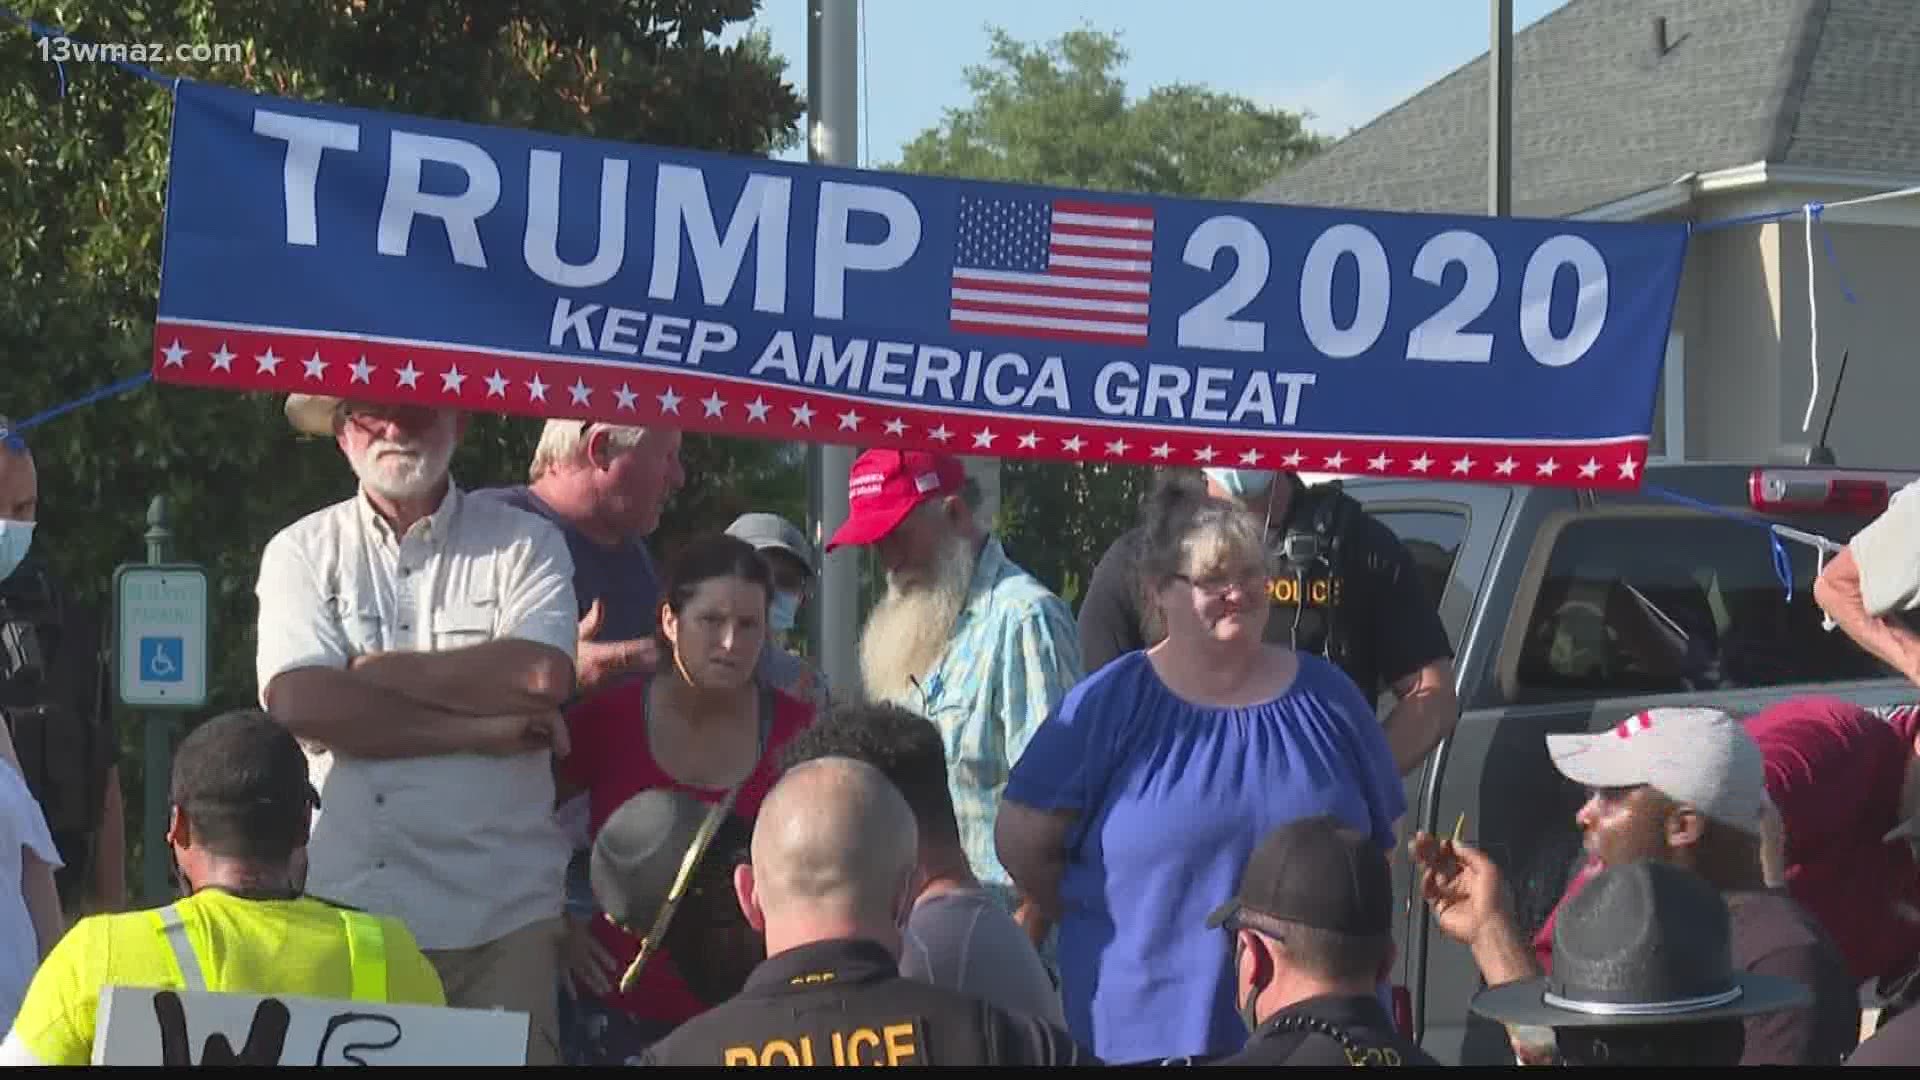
{"x":1701,"y":757}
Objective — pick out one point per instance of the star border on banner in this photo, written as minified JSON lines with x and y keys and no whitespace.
{"x":640,"y":394}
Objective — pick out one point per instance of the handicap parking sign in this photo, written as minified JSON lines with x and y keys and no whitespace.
{"x":163,"y":659}
{"x":160,"y":617}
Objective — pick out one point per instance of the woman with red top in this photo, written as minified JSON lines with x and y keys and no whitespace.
{"x":701,"y":724}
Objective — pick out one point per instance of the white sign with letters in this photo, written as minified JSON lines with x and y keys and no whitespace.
{"x":160,"y":639}
{"x":145,"y":1026}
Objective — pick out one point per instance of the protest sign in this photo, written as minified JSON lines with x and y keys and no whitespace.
{"x":145,"y":1026}
{"x":324,"y":249}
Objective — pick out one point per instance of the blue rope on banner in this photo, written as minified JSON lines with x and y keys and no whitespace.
{"x":1782,"y":564}
{"x":1833,"y":259}
{"x":37,"y":30}
{"x":1759,"y":218}
{"x":10,"y":433}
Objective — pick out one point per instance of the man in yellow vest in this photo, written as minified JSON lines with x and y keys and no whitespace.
{"x":240,"y":814}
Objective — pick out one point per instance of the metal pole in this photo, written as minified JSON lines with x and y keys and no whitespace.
{"x":833,"y":137}
{"x":1500,"y":110}
{"x":157,"y":729}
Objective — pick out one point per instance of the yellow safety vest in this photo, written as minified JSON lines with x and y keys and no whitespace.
{"x":366,"y":953}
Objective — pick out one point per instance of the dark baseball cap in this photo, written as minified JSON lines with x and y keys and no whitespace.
{"x":242,"y":761}
{"x":1316,"y":872}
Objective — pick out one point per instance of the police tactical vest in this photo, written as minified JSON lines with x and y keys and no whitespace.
{"x":53,"y":695}
{"x":1311,"y":585}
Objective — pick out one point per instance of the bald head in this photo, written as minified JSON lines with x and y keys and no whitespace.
{"x":834,"y":841}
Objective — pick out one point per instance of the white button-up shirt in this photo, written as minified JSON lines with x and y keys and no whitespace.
{"x":463,"y":848}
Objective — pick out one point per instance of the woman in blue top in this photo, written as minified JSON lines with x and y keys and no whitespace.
{"x":1131,"y":812}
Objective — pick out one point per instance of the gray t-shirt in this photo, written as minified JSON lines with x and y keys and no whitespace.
{"x":965,"y":941}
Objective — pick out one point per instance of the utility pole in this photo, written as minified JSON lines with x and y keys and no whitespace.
{"x":833,"y":138}
{"x":1500,"y":110}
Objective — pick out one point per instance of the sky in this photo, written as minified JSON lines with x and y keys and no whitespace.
{"x":1344,"y":62}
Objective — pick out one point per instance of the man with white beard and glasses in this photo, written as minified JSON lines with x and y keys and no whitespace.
{"x":963,"y":636}
{"x":419,"y":642}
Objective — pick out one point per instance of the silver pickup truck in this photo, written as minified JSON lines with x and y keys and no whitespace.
{"x":1568,"y":611}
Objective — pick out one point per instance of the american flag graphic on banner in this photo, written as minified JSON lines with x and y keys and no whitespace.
{"x":1059,"y":268}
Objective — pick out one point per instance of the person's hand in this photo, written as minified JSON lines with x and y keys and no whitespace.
{"x":588,"y":962}
{"x":517,"y":733}
{"x":1031,"y":919}
{"x":597,"y":661}
{"x":1533,"y":1045}
{"x":1462,"y":887}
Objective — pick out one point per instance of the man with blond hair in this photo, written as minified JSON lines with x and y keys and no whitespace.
{"x":604,"y":487}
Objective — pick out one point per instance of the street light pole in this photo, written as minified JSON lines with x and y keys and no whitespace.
{"x":833,"y":138}
{"x":1500,"y":109}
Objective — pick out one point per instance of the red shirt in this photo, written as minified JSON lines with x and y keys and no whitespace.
{"x":1834,"y":771}
{"x":612,"y":759}
{"x":1543,"y":941}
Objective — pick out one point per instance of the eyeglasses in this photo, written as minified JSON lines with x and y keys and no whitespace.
{"x":371,"y":417}
{"x":1250,"y":581}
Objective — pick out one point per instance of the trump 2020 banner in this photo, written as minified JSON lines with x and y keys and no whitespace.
{"x":393,"y":258}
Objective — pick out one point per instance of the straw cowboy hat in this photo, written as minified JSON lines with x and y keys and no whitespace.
{"x":312,"y":414}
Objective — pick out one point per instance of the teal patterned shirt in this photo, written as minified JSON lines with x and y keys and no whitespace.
{"x":1014,"y":654}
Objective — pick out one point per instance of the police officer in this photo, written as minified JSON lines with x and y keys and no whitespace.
{"x":1312,"y":927}
{"x":53,"y":694}
{"x":829,"y":885}
{"x":1344,"y":588}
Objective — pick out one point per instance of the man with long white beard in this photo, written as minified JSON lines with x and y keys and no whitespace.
{"x":963,"y":636}
{"x":419,"y":642}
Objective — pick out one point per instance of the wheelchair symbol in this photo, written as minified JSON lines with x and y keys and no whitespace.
{"x":162,"y":659}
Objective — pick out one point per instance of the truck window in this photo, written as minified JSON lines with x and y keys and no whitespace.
{"x":1658,"y":605}
{"x":1433,"y":538}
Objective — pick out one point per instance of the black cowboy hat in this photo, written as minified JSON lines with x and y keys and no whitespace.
{"x":1641,"y":944}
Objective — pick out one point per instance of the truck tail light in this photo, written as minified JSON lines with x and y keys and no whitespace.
{"x":1819,"y":490}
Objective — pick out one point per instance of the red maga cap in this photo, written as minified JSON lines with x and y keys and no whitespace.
{"x":884,"y":486}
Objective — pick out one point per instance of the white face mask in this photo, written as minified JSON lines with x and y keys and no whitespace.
{"x":15,"y":538}
{"x":783,"y":611}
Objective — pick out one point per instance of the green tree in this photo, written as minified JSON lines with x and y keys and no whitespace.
{"x":82,"y":182}
{"x":1059,"y":114}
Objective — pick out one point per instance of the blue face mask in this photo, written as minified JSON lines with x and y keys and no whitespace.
{"x":782,"y":612}
{"x":15,"y":538}
{"x":1241,"y":483}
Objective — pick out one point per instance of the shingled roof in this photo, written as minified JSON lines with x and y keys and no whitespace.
{"x":1602,"y":112}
